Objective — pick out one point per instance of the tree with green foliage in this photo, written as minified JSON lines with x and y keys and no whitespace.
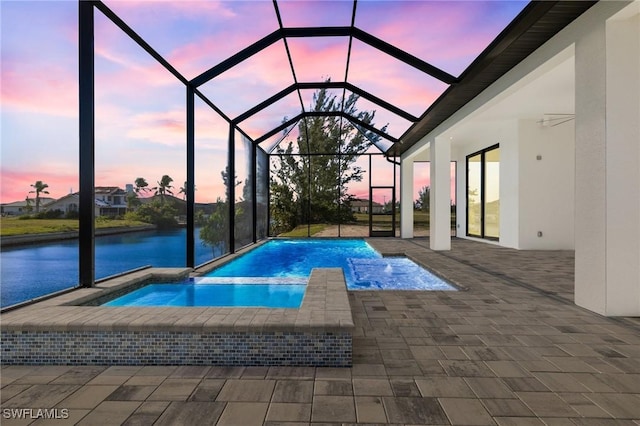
{"x":307,"y":188}
{"x":158,"y":213}
{"x":132,"y":201}
{"x":183,"y":190}
{"x":39,"y":188}
{"x":164,"y":187}
{"x":28,"y":208}
{"x":422,"y":203}
{"x":140,"y":185}
{"x":215,"y":228}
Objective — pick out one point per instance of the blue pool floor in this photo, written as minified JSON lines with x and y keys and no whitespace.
{"x":192,"y":293}
{"x":364,"y":268}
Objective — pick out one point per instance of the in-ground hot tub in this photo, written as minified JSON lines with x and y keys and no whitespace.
{"x":219,"y":292}
{"x":65,"y":330}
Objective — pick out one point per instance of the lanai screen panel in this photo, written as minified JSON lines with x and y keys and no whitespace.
{"x":251,"y":81}
{"x":289,"y":193}
{"x":281,"y":140}
{"x":140,"y":123}
{"x":195,"y":35}
{"x":359,"y":189}
{"x":324,"y":189}
{"x":243,"y":182}
{"x":262,"y":194}
{"x":309,"y":95}
{"x":39,"y":118}
{"x":319,"y":58}
{"x":211,"y":159}
{"x":395,"y":125}
{"x":392,"y":80}
{"x":272,"y":116}
{"x":315,"y":13}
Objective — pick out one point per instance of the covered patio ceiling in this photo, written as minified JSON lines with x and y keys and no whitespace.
{"x":259,"y":63}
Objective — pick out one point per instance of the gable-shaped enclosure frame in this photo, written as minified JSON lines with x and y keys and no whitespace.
{"x":87,"y":111}
{"x":536,"y":23}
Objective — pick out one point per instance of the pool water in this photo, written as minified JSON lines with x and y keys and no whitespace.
{"x":364,"y":268}
{"x":274,"y":275}
{"x":194,"y":293}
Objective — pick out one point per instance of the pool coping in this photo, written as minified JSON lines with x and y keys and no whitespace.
{"x":66,"y":329}
{"x":325,"y":308}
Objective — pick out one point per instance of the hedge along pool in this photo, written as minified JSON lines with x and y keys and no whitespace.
{"x":364,"y":268}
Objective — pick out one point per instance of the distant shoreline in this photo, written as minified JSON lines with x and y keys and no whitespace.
{"x":26,"y":239}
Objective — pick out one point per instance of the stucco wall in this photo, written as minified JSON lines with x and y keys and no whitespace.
{"x":547,"y":181}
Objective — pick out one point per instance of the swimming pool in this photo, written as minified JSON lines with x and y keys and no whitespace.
{"x":274,"y":275}
{"x":364,"y":268}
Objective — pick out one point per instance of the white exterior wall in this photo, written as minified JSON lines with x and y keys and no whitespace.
{"x":504,"y":133}
{"x":607,"y":165}
{"x":406,"y":198}
{"x":622,"y":165}
{"x":535,"y":195}
{"x":509,"y":185}
{"x":546,"y":185}
{"x":590,"y":222}
{"x":440,"y":195}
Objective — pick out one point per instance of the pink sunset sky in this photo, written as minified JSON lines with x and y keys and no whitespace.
{"x":140,"y":107}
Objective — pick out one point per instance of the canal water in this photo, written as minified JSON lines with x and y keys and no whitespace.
{"x":35,"y":270}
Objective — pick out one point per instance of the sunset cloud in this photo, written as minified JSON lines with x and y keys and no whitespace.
{"x":465,"y":28}
{"x":392,"y":80}
{"x":196,"y":35}
{"x":16,"y":183}
{"x":251,"y":81}
{"x":316,"y":59}
{"x":50,"y":90}
{"x":272,"y":116}
{"x":315,"y":13}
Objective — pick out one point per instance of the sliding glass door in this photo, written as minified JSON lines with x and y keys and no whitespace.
{"x":483,"y":193}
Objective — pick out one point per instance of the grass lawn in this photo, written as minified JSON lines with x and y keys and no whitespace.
{"x":14,"y":226}
{"x":420,"y":219}
{"x":301,"y":231}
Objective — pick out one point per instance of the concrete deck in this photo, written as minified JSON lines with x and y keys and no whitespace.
{"x":511,"y":350}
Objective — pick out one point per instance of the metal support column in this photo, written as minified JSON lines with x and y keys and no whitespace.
{"x":268,"y":183}
{"x":190,"y":177}
{"x":254,"y":189}
{"x":231,"y":190}
{"x":86,"y":108}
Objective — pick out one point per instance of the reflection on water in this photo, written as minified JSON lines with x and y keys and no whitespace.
{"x":34,"y":270}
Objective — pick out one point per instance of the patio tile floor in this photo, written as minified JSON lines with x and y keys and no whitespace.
{"x":512,"y":349}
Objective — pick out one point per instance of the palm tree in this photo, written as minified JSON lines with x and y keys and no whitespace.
{"x":140,"y":185}
{"x":183,"y":190}
{"x":164,"y":185}
{"x":39,"y":188}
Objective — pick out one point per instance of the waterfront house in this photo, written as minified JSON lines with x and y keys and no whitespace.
{"x":17,"y":208}
{"x":110,"y":201}
{"x":362,"y":206}
{"x":113,"y":200}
